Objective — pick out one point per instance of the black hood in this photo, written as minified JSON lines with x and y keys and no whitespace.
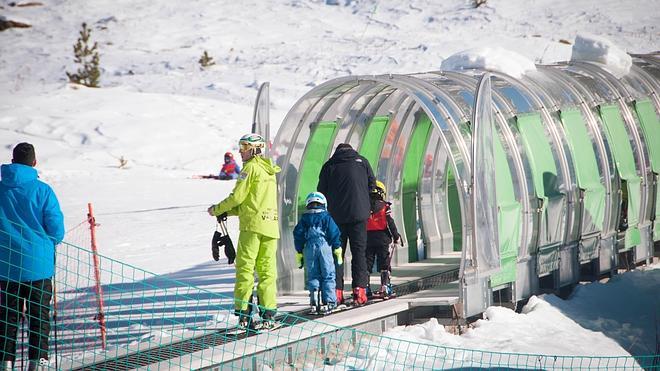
{"x":343,"y":154}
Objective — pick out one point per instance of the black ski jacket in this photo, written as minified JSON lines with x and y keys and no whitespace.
{"x":345,"y":180}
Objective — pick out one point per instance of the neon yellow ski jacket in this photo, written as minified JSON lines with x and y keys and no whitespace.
{"x":254,"y":198}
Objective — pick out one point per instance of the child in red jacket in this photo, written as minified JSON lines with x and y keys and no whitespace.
{"x":381,"y":233}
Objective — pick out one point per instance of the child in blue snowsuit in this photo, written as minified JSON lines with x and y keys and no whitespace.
{"x":317,"y":239}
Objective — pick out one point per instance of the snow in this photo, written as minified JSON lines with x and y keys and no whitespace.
{"x":594,"y":48}
{"x":489,"y":58}
{"x":172,"y":119}
{"x":599,"y":319}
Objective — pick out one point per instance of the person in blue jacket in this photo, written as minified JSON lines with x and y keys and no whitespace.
{"x":316,"y":239}
{"x":31,"y":224}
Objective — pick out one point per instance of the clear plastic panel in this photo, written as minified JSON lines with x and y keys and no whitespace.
{"x":288,"y":150}
{"x":428,"y":198}
{"x":651,"y":66}
{"x":484,"y":194}
{"x":346,"y":111}
{"x":522,"y":183}
{"x":394,"y":149}
{"x":412,"y":173}
{"x":261,"y":115}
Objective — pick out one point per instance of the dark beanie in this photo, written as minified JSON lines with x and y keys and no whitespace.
{"x":24,"y":154}
{"x":343,"y":146}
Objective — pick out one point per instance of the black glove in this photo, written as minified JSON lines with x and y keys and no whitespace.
{"x":222,"y":240}
{"x":222,"y":217}
{"x":230,"y":252}
{"x":215,"y":245}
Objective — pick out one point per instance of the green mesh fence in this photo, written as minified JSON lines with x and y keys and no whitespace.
{"x":157,"y":322}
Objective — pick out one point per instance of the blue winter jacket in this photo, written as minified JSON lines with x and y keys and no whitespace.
{"x":319,"y":219}
{"x":31,"y":224}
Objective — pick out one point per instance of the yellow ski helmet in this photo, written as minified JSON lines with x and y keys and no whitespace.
{"x":380,"y":189}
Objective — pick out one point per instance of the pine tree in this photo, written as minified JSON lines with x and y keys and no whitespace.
{"x":89,"y":73}
{"x":206,"y":60}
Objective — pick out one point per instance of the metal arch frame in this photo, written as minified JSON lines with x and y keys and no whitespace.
{"x":393,"y":178}
{"x":549,"y":109}
{"x":413,"y":89}
{"x":568,"y":273}
{"x":583,"y":99}
{"x":523,"y":184}
{"x":640,"y":150}
{"x":460,"y":144}
{"x":560,"y":148}
{"x":587,"y":103}
{"x":406,"y":94}
{"x":325,"y":94}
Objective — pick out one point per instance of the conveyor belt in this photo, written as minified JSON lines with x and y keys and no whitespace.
{"x":219,"y":337}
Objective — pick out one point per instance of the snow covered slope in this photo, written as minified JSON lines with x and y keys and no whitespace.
{"x":170,"y":119}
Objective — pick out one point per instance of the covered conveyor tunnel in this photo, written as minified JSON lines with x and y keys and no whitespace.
{"x":576,"y":155}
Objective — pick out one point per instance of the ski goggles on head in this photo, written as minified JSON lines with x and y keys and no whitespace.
{"x":244,"y":146}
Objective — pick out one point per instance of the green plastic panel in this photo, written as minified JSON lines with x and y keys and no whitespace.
{"x":546,"y":185}
{"x":586,"y":166}
{"x":412,"y":171}
{"x":537,"y":147}
{"x":651,"y":127}
{"x":317,"y":152}
{"x":509,"y":219}
{"x":372,"y":143}
{"x":617,"y":137}
{"x":454,"y":208}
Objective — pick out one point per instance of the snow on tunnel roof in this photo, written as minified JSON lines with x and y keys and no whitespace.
{"x":598,"y":49}
{"x":489,"y":58}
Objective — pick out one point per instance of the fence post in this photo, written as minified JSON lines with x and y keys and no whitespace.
{"x":97,"y":275}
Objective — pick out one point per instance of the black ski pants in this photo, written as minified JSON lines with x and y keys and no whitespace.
{"x":380,"y":254}
{"x":355,"y":234}
{"x":37,"y":295}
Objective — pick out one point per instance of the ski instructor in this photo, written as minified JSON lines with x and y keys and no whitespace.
{"x":254,"y":200}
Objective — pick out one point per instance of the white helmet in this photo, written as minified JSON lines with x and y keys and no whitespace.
{"x":316,"y":197}
{"x":252,"y":141}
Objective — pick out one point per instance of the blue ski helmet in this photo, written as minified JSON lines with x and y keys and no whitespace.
{"x":316,"y":197}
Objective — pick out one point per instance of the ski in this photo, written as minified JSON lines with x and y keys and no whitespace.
{"x":204,"y":177}
{"x":378,"y":296}
{"x":254,"y":329}
{"x":324,"y":312}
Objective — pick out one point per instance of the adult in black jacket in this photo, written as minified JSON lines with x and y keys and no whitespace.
{"x":346,"y":180}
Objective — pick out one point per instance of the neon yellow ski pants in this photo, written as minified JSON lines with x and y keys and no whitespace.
{"x":256,"y":251}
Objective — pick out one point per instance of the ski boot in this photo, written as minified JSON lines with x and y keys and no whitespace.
{"x":369,"y":293}
{"x":244,"y":318}
{"x":327,"y":309}
{"x":340,"y":296}
{"x":315,"y":302}
{"x":386,"y":291}
{"x":385,"y":285}
{"x":268,"y":321}
{"x":38,"y":365}
{"x":359,"y":296}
